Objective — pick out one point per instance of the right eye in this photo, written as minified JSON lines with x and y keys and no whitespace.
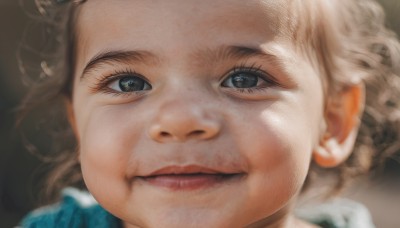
{"x":126,"y":84}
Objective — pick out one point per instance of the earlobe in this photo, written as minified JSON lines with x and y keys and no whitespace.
{"x":332,"y":152}
{"x":342,"y":120}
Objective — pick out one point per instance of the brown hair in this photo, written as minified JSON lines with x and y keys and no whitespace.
{"x":350,"y":35}
{"x":50,"y":89}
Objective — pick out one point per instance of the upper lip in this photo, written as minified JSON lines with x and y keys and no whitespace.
{"x":188,"y":169}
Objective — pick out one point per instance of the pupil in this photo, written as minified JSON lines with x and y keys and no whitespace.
{"x":131,"y":84}
{"x":244,"y":81}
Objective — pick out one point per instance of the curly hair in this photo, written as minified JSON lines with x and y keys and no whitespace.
{"x":349,"y":35}
{"x":350,"y":43}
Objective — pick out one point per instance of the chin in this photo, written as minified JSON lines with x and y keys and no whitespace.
{"x":190,"y":218}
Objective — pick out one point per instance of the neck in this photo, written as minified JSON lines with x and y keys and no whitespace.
{"x":288,"y":223}
{"x":279,"y":220}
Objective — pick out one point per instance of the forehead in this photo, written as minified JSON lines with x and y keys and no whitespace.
{"x":138,"y":24}
{"x":205,"y":10}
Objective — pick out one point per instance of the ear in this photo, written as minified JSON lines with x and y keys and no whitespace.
{"x":71,"y":116}
{"x":342,"y":119}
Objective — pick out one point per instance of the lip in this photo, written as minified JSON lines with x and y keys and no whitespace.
{"x":188,"y":178}
{"x":188,"y":169}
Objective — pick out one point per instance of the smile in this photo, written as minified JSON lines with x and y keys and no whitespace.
{"x":188,"y":178}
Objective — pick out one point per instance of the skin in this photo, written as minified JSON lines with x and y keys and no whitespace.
{"x":190,"y":116}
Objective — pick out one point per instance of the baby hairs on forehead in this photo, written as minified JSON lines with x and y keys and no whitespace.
{"x":346,"y":42}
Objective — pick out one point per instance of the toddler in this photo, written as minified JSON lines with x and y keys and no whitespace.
{"x":214,"y":113}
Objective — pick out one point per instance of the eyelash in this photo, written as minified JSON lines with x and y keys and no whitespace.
{"x":255,"y":70}
{"x":104,"y":81}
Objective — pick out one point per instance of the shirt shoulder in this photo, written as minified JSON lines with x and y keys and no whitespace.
{"x":77,"y":209}
{"x":338,"y":213}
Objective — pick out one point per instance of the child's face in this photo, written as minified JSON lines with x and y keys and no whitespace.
{"x":194,"y":113}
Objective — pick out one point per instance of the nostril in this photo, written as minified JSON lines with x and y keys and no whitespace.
{"x":180,"y":132}
{"x":196,"y":133}
{"x":165,"y":134}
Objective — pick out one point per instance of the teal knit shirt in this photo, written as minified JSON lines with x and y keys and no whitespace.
{"x":79,"y":209}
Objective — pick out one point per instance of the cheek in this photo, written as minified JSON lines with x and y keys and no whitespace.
{"x":277,"y":145}
{"x":105,"y":149}
{"x":282,"y":134}
{"x":282,"y":146}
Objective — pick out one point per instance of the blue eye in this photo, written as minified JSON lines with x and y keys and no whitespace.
{"x":248,"y":78}
{"x":241,"y":80}
{"x":128,"y":84}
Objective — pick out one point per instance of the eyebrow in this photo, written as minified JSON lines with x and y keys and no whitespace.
{"x":120,"y":56}
{"x":211,"y":55}
{"x":234,"y":52}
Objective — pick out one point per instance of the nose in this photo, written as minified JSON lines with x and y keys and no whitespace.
{"x":178,"y":121}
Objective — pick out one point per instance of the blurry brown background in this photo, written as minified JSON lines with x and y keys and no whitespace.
{"x":19,"y":170}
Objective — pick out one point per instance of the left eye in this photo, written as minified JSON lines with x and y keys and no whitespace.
{"x":242,"y":80}
{"x":129,"y":84}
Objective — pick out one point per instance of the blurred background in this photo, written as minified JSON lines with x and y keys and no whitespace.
{"x":20,"y":171}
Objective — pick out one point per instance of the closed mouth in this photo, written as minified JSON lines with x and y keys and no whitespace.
{"x":188,"y":178}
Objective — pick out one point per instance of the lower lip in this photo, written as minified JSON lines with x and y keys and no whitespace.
{"x":187,"y":182}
